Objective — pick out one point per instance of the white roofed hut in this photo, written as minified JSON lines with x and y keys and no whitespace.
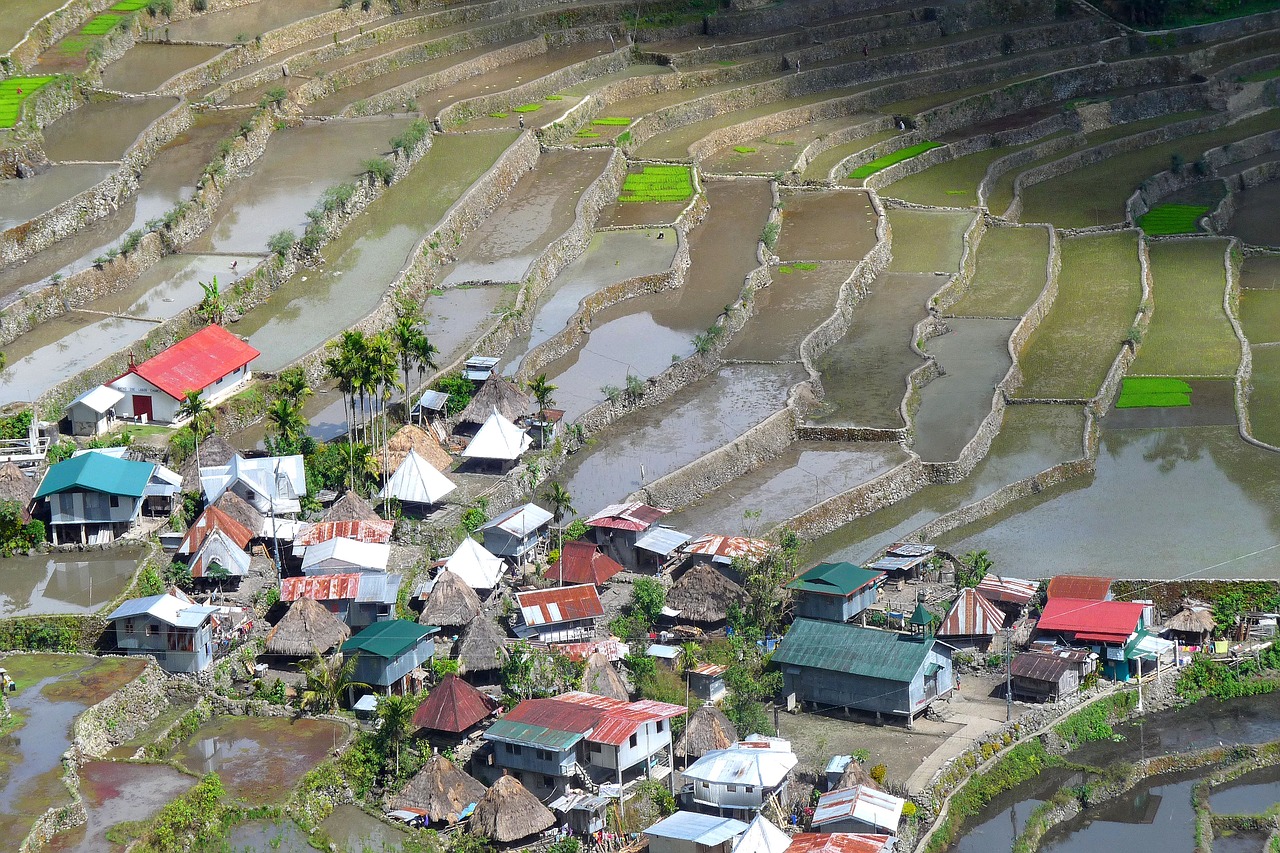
{"x":477,"y":568}
{"x":762,"y":837}
{"x":341,"y":555}
{"x":93,"y":412}
{"x":499,"y":442}
{"x":416,"y":481}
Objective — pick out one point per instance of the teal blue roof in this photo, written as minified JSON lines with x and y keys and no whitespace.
{"x":388,"y":639}
{"x":839,"y":647}
{"x":97,"y":472}
{"x":835,"y":579}
{"x":529,"y":733}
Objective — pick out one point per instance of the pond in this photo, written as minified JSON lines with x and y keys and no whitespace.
{"x":63,"y":582}
{"x":116,"y":792}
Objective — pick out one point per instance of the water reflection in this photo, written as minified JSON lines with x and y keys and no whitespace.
{"x":45,"y":584}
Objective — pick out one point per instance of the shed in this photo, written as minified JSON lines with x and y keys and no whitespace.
{"x":483,"y":647}
{"x":581,"y":562}
{"x":762,"y":837}
{"x":416,"y":481}
{"x":1009,"y":594}
{"x":842,"y":842}
{"x":1194,"y":624}
{"x":725,"y":549}
{"x":431,"y":404}
{"x":839,"y":592}
{"x":702,"y":595}
{"x":658,"y":546}
{"x":692,"y":832}
{"x":904,"y":560}
{"x":479,"y":368}
{"x":1080,"y":587}
{"x":453,"y":706}
{"x":441,"y":790}
{"x":858,"y":809}
{"x":93,"y":411}
{"x":516,"y":532}
{"x":240,"y":511}
{"x":508,"y":812}
{"x":341,"y":555}
{"x":389,"y":651}
{"x":212,"y":361}
{"x":1038,"y":677}
{"x":706,"y":682}
{"x":307,"y":628}
{"x":451,"y":602}
{"x":972,"y":620}
{"x":475,"y":565}
{"x":708,"y":729}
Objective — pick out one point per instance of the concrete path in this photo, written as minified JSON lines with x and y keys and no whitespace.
{"x":973,"y":729}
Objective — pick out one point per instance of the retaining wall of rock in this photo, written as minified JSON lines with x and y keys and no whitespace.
{"x":53,"y":26}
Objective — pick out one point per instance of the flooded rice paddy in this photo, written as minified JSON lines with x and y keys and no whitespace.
{"x":64,"y":583}
{"x":1254,"y":220}
{"x":348,"y":829}
{"x":146,"y":66}
{"x":785,"y":312}
{"x":249,"y":21}
{"x":102,"y":130}
{"x":1011,"y":273}
{"x":24,"y":200}
{"x":115,"y":793}
{"x":826,"y":226}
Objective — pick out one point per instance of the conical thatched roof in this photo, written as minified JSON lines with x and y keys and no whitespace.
{"x":703,"y":594}
{"x":451,"y":603}
{"x":351,"y":507}
{"x":1192,"y":620}
{"x":16,"y":486}
{"x":441,"y":789}
{"x":496,"y":393}
{"x":708,"y":728}
{"x":240,"y":510}
{"x":602,"y":679}
{"x":307,"y":628}
{"x":214,"y":450}
{"x":483,"y":646}
{"x":508,"y":812}
{"x":856,"y":774}
{"x":413,"y":437}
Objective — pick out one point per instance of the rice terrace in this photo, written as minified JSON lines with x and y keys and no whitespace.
{"x":385,"y":384}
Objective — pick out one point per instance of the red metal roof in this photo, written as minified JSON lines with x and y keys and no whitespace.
{"x":629,"y":516}
{"x":453,"y":706}
{"x":601,"y":719}
{"x":971,"y":616}
{"x":194,"y":363}
{"x":214,"y":519}
{"x":563,"y":604}
{"x":321,"y":587}
{"x":374,"y":532}
{"x":1080,"y":587}
{"x":611,"y":648}
{"x":710,"y":670}
{"x":582,"y":562}
{"x":1101,"y":621}
{"x":1007,"y":590}
{"x":728,"y":546}
{"x":838,"y":842}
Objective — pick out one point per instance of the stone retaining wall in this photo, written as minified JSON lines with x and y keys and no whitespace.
{"x":835,"y":512}
{"x":840,"y":137}
{"x":53,"y":26}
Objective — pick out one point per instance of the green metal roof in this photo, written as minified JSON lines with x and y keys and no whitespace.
{"x":97,"y":472}
{"x":531,"y":734}
{"x":388,"y":639}
{"x":839,"y":647}
{"x":835,"y":579}
{"x":921,"y":616}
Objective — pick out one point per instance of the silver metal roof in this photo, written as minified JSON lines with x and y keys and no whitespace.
{"x":662,"y":541}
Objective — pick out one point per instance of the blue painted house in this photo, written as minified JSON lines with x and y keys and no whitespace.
{"x":388,"y":653}
{"x":836,"y":592}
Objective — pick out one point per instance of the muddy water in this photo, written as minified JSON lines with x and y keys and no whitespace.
{"x":1254,"y":221}
{"x":826,"y":226}
{"x":787,"y":310}
{"x":506,"y":76}
{"x":775,"y":152}
{"x":20,"y":16}
{"x":169,"y":178}
{"x":326,"y":414}
{"x":1153,"y":816}
{"x":260,"y":759}
{"x":23,"y":200}
{"x":975,"y":357}
{"x":60,"y":348}
{"x":348,"y":828}
{"x":64,"y":583}
{"x":864,"y":375}
{"x":643,"y":336}
{"x":1252,"y":793}
{"x":145,"y":66}
{"x":248,"y":21}
{"x":927,"y":241}
{"x":537,"y":211}
{"x":610,"y":257}
{"x":1211,"y":496}
{"x":360,"y":265}
{"x":300,"y":163}
{"x":103,"y":130}
{"x":656,"y":440}
{"x":995,"y":827}
{"x":808,"y":473}
{"x":640,"y":213}
{"x":1009,"y":274}
{"x":1031,"y":439}
{"x":115,"y":792}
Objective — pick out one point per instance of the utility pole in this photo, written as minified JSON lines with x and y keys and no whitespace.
{"x":1008,"y":674}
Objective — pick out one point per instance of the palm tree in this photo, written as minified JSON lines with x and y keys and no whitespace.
{"x":412,"y":346}
{"x":194,"y":407}
{"x":397,"y":715}
{"x":211,"y":307}
{"x":542,"y":391}
{"x":687,"y":660}
{"x":327,"y":679}
{"x":290,"y":425}
{"x":292,"y":385}
{"x":424,"y":355}
{"x":561,"y":503}
{"x":381,"y":365}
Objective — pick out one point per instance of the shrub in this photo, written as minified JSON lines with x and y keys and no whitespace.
{"x":878,"y":774}
{"x":281,"y":242}
{"x":769,"y":236}
{"x":409,"y":139}
{"x":379,"y":169}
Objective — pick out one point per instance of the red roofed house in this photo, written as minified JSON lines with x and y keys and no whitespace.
{"x":559,"y":615}
{"x":617,"y":527}
{"x":212,"y":361}
{"x":546,"y":743}
{"x":1079,"y":586}
{"x":453,"y":706}
{"x":208,"y":521}
{"x":1113,"y":629}
{"x":840,"y":842}
{"x":357,"y":598}
{"x":580,"y":562}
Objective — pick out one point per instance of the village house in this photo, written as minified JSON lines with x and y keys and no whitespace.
{"x":210,"y":520}
{"x":706,"y":682}
{"x":391,"y":654}
{"x":341,"y":556}
{"x":558,"y":615}
{"x":516,"y":533}
{"x":306,"y":629}
{"x":212,"y":361}
{"x":723,"y":550}
{"x":692,"y":832}
{"x":971,"y":622}
{"x":837,"y":592}
{"x":1079,"y":587}
{"x":831,"y":666}
{"x":358,"y":598}
{"x":376,"y":532}
{"x":551,"y":744}
{"x":93,"y":412}
{"x":94,"y":497}
{"x":1112,"y":629}
{"x":1011,"y":595}
{"x":472,"y":562}
{"x":739,"y":780}
{"x":904,"y":560}
{"x":858,"y":809}
{"x":841,"y":842}
{"x":219,"y":559}
{"x":452,"y":707}
{"x":581,"y":562}
{"x":271,"y":485}
{"x":1048,"y":675}
{"x":417,"y":482}
{"x":172,"y":629}
{"x":618,"y":527}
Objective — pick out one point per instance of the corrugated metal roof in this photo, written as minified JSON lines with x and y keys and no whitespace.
{"x":170,"y":609}
{"x":910,"y":549}
{"x":745,"y":763}
{"x":1105,"y":621}
{"x":375,"y":532}
{"x":865,"y":804}
{"x":564,"y":604}
{"x":582,"y":562}
{"x":840,"y":842}
{"x":836,"y":579}
{"x":1007,"y":590}
{"x":1039,"y":667}
{"x":432,"y":400}
{"x":728,"y":547}
{"x":453,"y":705}
{"x":847,"y":648}
{"x":971,"y":616}
{"x":662,"y":541}
{"x":96,"y":472}
{"x":635,"y":515}
{"x":710,"y":670}
{"x":513,"y":731}
{"x":196,"y":362}
{"x":521,"y":520}
{"x":699,"y":828}
{"x":321,"y":587}
{"x":99,"y":399}
{"x":388,"y":640}
{"x":599,"y":718}
{"x":1082,"y":587}
{"x":341,"y":553}
{"x":210,"y":520}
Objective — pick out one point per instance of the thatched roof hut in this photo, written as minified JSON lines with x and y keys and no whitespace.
{"x":214,"y":450}
{"x":483,"y":646}
{"x":856,"y":774}
{"x":16,"y":486}
{"x":602,"y":679}
{"x":441,"y":789}
{"x":703,"y":594}
{"x":1191,"y":619}
{"x":307,"y":628}
{"x":496,"y":393}
{"x":708,"y":729}
{"x":451,"y":603}
{"x":412,"y":437}
{"x":508,"y":812}
{"x":351,"y":507}
{"x":240,"y":510}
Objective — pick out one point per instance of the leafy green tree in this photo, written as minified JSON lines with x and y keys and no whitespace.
{"x":211,"y":307}
{"x":765,"y":581}
{"x":459,"y":389}
{"x":396,"y":713}
{"x":289,"y":425}
{"x":648,"y":597}
{"x":292,"y":385}
{"x":542,"y":391}
{"x":16,"y":533}
{"x":327,"y":680}
{"x":973,"y":568}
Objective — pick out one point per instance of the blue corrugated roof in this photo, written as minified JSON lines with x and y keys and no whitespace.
{"x":839,"y":647}
{"x":97,"y":472}
{"x":511,"y":731}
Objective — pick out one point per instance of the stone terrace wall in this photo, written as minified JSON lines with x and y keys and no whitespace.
{"x":1156,"y":188}
{"x":840,"y":137}
{"x":53,"y":26}
{"x":789,"y":15}
{"x":889,"y":488}
{"x":831,"y":42}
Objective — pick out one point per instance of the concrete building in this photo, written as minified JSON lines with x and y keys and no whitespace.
{"x":837,"y":592}
{"x":92,"y":413}
{"x":212,"y":361}
{"x":178,"y":633}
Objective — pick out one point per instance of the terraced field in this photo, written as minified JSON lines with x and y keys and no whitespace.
{"x":769,"y":259}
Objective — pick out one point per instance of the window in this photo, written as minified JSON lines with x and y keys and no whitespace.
{"x":733,"y":789}
{"x":153,"y":629}
{"x":128,"y":625}
{"x":517,"y":750}
{"x":634,"y":740}
{"x":660,"y":726}
{"x":66,"y":504}
{"x":508,"y":748}
{"x":706,"y":786}
{"x":594,"y":747}
{"x":548,"y":782}
{"x":115,"y":501}
{"x":544,"y":755}
{"x":751,"y":789}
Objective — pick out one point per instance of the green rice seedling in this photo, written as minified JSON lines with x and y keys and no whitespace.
{"x":786,"y":269}
{"x":744,"y":149}
{"x":554,"y":98}
{"x":612,"y":121}
{"x":888,"y":160}
{"x":1153,"y":392}
{"x":498,"y":115}
{"x":101,"y":25}
{"x":805,"y":266}
{"x":586,"y":134}
{"x":10,"y":99}
{"x":1172,"y":219}
{"x":129,"y":6}
{"x":527,"y":108}
{"x":658,"y":184}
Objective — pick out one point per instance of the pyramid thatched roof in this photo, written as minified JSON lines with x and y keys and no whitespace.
{"x":16,"y":486}
{"x":441,"y":789}
{"x":214,"y":450}
{"x":1192,"y":620}
{"x":451,"y":603}
{"x":508,"y":812}
{"x":856,"y":774}
{"x":483,"y":646}
{"x":602,"y":679}
{"x":351,"y":507}
{"x":453,"y":706}
{"x":708,"y":728}
{"x":496,"y":393}
{"x":413,"y":437}
{"x":240,"y":510}
{"x":307,"y":628}
{"x":703,"y":594}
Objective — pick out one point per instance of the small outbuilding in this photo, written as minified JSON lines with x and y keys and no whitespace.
{"x":858,"y":809}
{"x":838,"y":592}
{"x":482,"y":649}
{"x":17,"y":487}
{"x":842,"y":842}
{"x":723,"y":550}
{"x":452,"y":707}
{"x":702,"y":596}
{"x":517,"y":532}
{"x":496,"y":395}
{"x":441,"y":790}
{"x":508,"y":812}
{"x":693,"y":832}
{"x":581,"y":562}
{"x":972,"y":621}
{"x":306,"y":629}
{"x":601,"y":679}
{"x":451,"y":603}
{"x":473,"y":563}
{"x":93,"y":412}
{"x":1038,"y":677}
{"x":1079,"y":587}
{"x":351,"y":507}
{"x":706,"y":682}
{"x":414,"y":439}
{"x":499,"y":442}
{"x":904,"y":560}
{"x":1011,"y":595}
{"x":1193,"y":624}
